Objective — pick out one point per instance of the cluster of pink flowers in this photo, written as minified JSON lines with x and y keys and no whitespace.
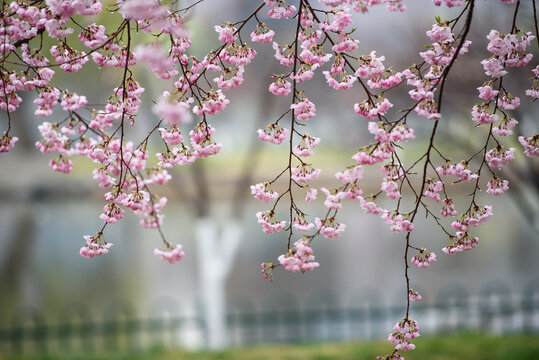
{"x":299,"y":259}
{"x":71,"y":60}
{"x":267,"y":270}
{"x":397,"y":222}
{"x":462,"y":243}
{"x":438,"y":56}
{"x":311,"y":194}
{"x":306,"y":146}
{"x":374,"y":71}
{"x":487,"y":92}
{"x":61,"y":164}
{"x":479,"y":216}
{"x":351,"y":174}
{"x":171,"y":255}
{"x":497,"y":186}
{"x":333,"y":199}
{"x":171,"y":136}
{"x":433,"y":189}
{"x":405,"y":331}
{"x":7,"y":142}
{"x":260,"y":192}
{"x":414,"y":296}
{"x":499,"y":156}
{"x":202,"y":141}
{"x":372,"y":110}
{"x":268,"y":222}
{"x":508,"y":50}
{"x":462,"y":240}
{"x":530,"y":145}
{"x":227,"y":33}
{"x":149,"y":214}
{"x":162,"y":65}
{"x":459,"y":170}
{"x":329,"y":227}
{"x":481,"y":115}
{"x":423,"y":258}
{"x":448,"y":3}
{"x":448,"y":208}
{"x":95,"y":246}
{"x":211,"y":104}
{"x":304,"y":109}
{"x":280,"y":87}
{"x":262,"y":34}
{"x":300,"y":223}
{"x":504,"y":128}
{"x":273,"y":133}
{"x":384,"y":133}
{"x":345,"y":81}
{"x":534,"y":91}
{"x":280,"y":9}
{"x":392,"y":174}
{"x":304,"y":173}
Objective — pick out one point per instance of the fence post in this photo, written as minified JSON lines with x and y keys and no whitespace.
{"x":530,"y":307}
{"x":164,"y":322}
{"x":119,"y":321}
{"x":37,"y":332}
{"x":454,"y":305}
{"x":83,"y":329}
{"x":495,"y":304}
{"x":364,"y":308}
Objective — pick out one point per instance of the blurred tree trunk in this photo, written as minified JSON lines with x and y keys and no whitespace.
{"x":217,"y":247}
{"x":17,"y":248}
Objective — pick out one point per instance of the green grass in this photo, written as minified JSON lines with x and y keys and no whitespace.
{"x":471,"y":346}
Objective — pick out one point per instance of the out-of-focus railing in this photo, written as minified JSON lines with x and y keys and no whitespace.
{"x":494,"y":309}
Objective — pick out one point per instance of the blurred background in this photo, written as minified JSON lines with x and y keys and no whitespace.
{"x":52,"y":299}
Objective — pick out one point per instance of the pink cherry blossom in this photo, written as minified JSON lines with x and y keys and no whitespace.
{"x":333,"y":199}
{"x":273,"y":133}
{"x":262,"y":34}
{"x":329,"y":227}
{"x":486,"y":92}
{"x":497,"y":186}
{"x":433,"y":189}
{"x":351,"y":174}
{"x":173,"y":112}
{"x":448,"y":208}
{"x":260,"y":192}
{"x":398,"y":222}
{"x":171,"y":255}
{"x":226,"y":33}
{"x":280,"y":87}
{"x":499,"y":157}
{"x":306,"y":146}
{"x":531,"y":148}
{"x":268,"y":222}
{"x":504,"y":128}
{"x":311,"y":194}
{"x":304,"y":173}
{"x":508,"y":102}
{"x":95,"y":246}
{"x":405,"y":331}
{"x":304,"y":109}
{"x":300,"y":224}
{"x":171,"y":136}
{"x":299,"y":259}
{"x":414,"y":296}
{"x":423,"y":258}
{"x":7,"y":143}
